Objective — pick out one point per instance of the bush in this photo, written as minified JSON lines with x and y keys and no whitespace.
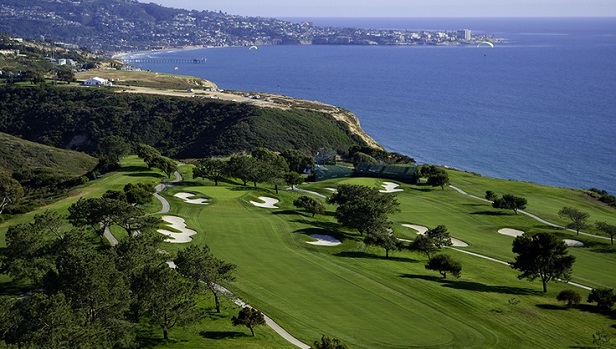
{"x":604,"y":297}
{"x":572,"y":297}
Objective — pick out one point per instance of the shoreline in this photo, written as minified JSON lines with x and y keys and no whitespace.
{"x":445,"y":164}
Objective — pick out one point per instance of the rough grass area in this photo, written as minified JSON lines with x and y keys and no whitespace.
{"x":16,"y":154}
{"x":147,"y":79}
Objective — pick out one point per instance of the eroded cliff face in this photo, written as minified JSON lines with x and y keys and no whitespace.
{"x":342,"y":115}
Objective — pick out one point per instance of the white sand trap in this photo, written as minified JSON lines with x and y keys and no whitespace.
{"x":333,"y":190}
{"x":390,"y":187}
{"x":510,"y":232}
{"x":179,"y":224}
{"x":324,"y":240}
{"x":186,"y":197}
{"x":420,"y":229}
{"x":267,"y":202}
{"x":458,"y":243}
{"x":573,"y":243}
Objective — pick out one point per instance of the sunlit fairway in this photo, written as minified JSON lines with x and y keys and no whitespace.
{"x":356,"y":294}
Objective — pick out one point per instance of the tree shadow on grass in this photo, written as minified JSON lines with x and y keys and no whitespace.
{"x":145,"y":174}
{"x":474,"y":286}
{"x":360,"y":254}
{"x":222,"y":334}
{"x":492,"y":213}
{"x":292,"y":213}
{"x":554,"y":307}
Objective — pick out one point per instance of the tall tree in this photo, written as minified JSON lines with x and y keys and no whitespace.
{"x":165,"y":297}
{"x":95,"y":289}
{"x":604,"y":297}
{"x":363,"y":208}
{"x":297,"y":160}
{"x":579,"y":219}
{"x":311,"y":205}
{"x":423,"y":244}
{"x":510,"y":202}
{"x":439,"y":179}
{"x":10,"y":190}
{"x":28,"y":254}
{"x":608,"y":229}
{"x":293,"y":178}
{"x":542,"y":256}
{"x":385,"y":239}
{"x":199,"y":265}
{"x":111,"y":149}
{"x":439,"y":236}
{"x":139,"y":193}
{"x":242,"y":167}
{"x":444,"y":263}
{"x":212,"y":169}
{"x":329,"y":343}
{"x":249,"y":317}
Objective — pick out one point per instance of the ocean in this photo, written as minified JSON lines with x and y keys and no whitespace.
{"x":537,"y":108}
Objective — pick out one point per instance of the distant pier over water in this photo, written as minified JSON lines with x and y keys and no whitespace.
{"x":163,"y":60}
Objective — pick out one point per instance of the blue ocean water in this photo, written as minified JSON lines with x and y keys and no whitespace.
{"x":538,"y":108}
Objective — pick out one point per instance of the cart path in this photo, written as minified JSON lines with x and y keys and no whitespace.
{"x":539,"y":219}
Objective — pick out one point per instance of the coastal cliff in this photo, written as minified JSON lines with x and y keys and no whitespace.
{"x":201,"y":124}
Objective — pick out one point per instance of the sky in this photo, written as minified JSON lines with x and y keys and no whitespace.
{"x":401,"y":8}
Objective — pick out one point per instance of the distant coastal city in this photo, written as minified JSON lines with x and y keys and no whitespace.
{"x":149,"y":26}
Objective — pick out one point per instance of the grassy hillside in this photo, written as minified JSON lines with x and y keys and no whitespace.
{"x":17,"y":155}
{"x":352,"y":292}
{"x":79,"y":118}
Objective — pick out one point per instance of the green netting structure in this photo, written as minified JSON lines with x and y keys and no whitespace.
{"x":402,"y":173}
{"x":323,"y":172}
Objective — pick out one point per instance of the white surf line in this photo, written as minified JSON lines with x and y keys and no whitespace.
{"x":539,"y":219}
{"x":507,"y":264}
{"x":268,"y":321}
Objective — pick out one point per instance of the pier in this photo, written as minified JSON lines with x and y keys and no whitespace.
{"x":164,"y":60}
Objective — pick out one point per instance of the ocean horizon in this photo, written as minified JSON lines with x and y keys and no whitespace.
{"x":538,"y":108}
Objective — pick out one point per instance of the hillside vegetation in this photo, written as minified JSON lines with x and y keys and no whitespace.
{"x":79,"y":118}
{"x":17,"y":154}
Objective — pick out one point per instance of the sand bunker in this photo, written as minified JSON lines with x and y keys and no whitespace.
{"x":422,"y":230}
{"x":573,"y":243}
{"x":390,"y":187}
{"x":177,"y":223}
{"x":333,"y":190}
{"x":267,"y":202}
{"x":458,"y":243}
{"x":510,"y":232}
{"x":324,"y":240}
{"x":186,"y":196}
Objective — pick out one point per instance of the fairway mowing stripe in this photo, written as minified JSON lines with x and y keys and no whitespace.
{"x":507,"y":264}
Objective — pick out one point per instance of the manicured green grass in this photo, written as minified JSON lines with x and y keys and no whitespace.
{"x":352,"y":292}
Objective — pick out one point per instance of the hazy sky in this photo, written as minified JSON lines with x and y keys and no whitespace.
{"x":401,"y":8}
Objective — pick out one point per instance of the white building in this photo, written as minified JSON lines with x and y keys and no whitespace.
{"x":464,"y":34}
{"x":96,"y":81}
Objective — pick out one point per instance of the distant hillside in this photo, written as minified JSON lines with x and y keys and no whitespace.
{"x":79,"y":118}
{"x":17,"y":154}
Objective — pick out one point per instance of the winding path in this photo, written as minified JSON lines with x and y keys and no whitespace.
{"x":539,"y":219}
